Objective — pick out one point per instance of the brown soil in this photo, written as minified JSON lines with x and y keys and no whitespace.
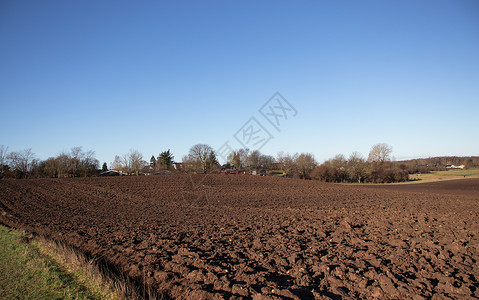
{"x":232,"y":237}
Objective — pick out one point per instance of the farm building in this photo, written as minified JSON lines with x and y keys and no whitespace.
{"x":112,"y":173}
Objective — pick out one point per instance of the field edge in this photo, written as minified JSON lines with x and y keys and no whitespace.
{"x":80,"y":275}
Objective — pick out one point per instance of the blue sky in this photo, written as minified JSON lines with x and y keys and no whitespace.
{"x":115,"y":75}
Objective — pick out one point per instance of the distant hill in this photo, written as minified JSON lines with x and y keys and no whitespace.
{"x":422,"y":165}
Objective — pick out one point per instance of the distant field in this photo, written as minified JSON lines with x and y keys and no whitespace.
{"x":443,"y":175}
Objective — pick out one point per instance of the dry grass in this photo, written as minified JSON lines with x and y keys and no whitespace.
{"x":95,"y":275}
{"x":39,"y":268}
{"x":83,"y":269}
{"x":28,"y":274}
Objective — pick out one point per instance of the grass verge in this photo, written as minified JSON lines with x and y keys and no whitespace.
{"x":35,"y":268}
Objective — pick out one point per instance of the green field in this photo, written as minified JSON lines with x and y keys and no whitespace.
{"x":33,"y":269}
{"x":444,"y":175}
{"x":453,"y":174}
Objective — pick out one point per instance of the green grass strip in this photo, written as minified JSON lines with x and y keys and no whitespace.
{"x":28,"y":273}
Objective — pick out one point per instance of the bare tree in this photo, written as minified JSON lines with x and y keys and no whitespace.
{"x":69,"y":164}
{"x":338,"y":165}
{"x":23,"y":161}
{"x":3,"y":157}
{"x":305,"y":163}
{"x":189,"y":164}
{"x":199,"y":157}
{"x":89,"y":164}
{"x":254,"y":160}
{"x":125,"y":164}
{"x":63,"y":164}
{"x":117,"y":163}
{"x":380,"y":153}
{"x":287,"y":161}
{"x":357,"y":167}
{"x":266,"y":161}
{"x":339,"y":161}
{"x":135,"y":161}
{"x":76,"y":156}
{"x":243,"y":157}
{"x":48,"y":168}
{"x":129,"y":163}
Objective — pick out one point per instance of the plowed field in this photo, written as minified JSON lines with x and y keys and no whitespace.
{"x":221,"y":236}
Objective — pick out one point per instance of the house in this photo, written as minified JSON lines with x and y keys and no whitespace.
{"x":234,"y":172}
{"x":178,"y":166}
{"x":112,"y":173}
{"x":454,"y":167}
{"x":147,"y":170}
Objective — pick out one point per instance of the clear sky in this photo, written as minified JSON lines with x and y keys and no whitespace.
{"x":114,"y":75}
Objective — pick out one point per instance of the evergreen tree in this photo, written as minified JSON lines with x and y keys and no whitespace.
{"x":166,"y":158}
{"x":152,"y":161}
{"x":211,"y":162}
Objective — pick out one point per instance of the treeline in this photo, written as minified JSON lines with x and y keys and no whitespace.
{"x":378,"y":167}
{"x":356,"y":169}
{"x":297,"y":165}
{"x":424,"y":165}
{"x":24,"y":164}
